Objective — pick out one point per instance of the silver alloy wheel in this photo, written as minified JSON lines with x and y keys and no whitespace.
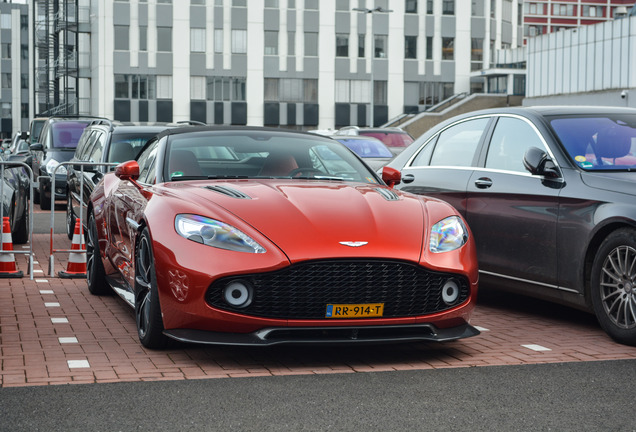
{"x":618,"y":286}
{"x":144,"y":280}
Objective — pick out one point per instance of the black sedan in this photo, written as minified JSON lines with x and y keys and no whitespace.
{"x":15,"y":197}
{"x":550,"y":195}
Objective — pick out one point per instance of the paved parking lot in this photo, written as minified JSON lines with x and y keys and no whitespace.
{"x":52,"y":331}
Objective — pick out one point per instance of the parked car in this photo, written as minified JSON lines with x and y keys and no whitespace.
{"x":15,"y":199}
{"x":102,"y":141}
{"x":56,"y":144}
{"x":550,"y":194}
{"x":372,"y":151}
{"x":35,"y":129}
{"x":255,"y":236}
{"x":394,"y":138}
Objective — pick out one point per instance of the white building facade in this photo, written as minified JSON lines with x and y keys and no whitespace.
{"x":300,"y":64}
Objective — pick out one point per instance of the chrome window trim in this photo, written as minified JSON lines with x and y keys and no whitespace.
{"x":546,"y":148}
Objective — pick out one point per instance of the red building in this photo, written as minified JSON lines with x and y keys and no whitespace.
{"x":547,"y":16}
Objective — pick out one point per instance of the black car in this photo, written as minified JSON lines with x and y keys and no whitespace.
{"x":102,"y":141}
{"x":56,"y":144}
{"x":15,"y":198}
{"x":550,"y":195}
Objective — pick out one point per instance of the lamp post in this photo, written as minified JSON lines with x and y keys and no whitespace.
{"x":372,"y":11}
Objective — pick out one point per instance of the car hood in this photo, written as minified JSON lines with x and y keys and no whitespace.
{"x":617,"y":181}
{"x":310,"y":219}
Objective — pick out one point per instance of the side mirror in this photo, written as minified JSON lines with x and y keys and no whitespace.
{"x":391,"y":176}
{"x":127,"y":170}
{"x":36,"y":147}
{"x":24,"y":135}
{"x":537,"y":162}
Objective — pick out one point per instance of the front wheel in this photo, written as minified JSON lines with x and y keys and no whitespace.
{"x":95,"y":273}
{"x":147,"y":308}
{"x":45,"y":203}
{"x":613,"y":286}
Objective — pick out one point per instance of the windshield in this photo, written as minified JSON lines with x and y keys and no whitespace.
{"x":599,"y":143}
{"x":366,"y":148}
{"x":261,"y":154}
{"x":66,"y":134}
{"x":126,"y":146}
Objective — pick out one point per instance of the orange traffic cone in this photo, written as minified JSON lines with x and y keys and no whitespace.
{"x":76,"y":267}
{"x":8,"y":268}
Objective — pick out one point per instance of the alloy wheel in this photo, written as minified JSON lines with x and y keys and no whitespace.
{"x":618,"y":286}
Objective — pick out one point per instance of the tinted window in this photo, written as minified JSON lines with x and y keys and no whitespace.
{"x":509,"y":142}
{"x":599,"y":142}
{"x":147,"y":163}
{"x":456,"y":145}
{"x":367,"y":148}
{"x":67,"y":134}
{"x":125,"y":147}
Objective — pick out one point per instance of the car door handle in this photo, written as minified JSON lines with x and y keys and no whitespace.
{"x":483,"y":183}
{"x":408,"y":178}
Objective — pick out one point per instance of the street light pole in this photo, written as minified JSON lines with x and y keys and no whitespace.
{"x":372,"y":11}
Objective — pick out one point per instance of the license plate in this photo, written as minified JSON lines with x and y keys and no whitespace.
{"x":354,"y":310}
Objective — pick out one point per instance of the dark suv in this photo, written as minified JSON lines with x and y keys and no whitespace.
{"x":56,"y":144}
{"x":102,"y":141}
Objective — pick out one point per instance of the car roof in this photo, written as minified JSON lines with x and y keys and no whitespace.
{"x":556,"y":110}
{"x":192,"y":129}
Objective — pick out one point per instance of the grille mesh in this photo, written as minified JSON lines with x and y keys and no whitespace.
{"x":302,"y":291}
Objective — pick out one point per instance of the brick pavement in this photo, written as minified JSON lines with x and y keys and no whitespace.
{"x":52,"y":331}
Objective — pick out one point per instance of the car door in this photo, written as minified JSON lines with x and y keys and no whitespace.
{"x":444,"y":164}
{"x":513,"y":214}
{"x":127,"y":204}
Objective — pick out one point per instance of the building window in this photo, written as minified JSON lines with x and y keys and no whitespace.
{"x":271,"y":3}
{"x":143,"y":86}
{"x":242,"y":3}
{"x":448,"y":51}
{"x":411,"y":6}
{"x":24,"y":52}
{"x":164,"y":87}
{"x":493,"y":8}
{"x":310,"y":90}
{"x":6,"y":50}
{"x":429,"y":7}
{"x":361,"y":39}
{"x":197,"y":87}
{"x":5,"y":21}
{"x":477,"y":8}
{"x":143,"y":38}
{"x":410,"y":47}
{"x":6,"y":110}
{"x":6,"y":80}
{"x":218,"y":41}
{"x":121,"y":37}
{"x":311,"y":44}
{"x":476,"y":53}
{"x":24,"y":81}
{"x":448,"y":7}
{"x":239,"y":41}
{"x":121,"y":87}
{"x":380,"y":46}
{"x":342,"y":45}
{"x":271,"y":43}
{"x":429,"y":48}
{"x":271,"y":89}
{"x":197,"y":40}
{"x":292,"y":90}
{"x":164,"y":39}
{"x":311,"y":4}
{"x":225,"y":89}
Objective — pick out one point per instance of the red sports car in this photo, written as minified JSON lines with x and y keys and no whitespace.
{"x":255,"y":236}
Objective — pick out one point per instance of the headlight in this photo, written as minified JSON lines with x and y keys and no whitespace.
{"x":448,"y":234}
{"x":214,"y":233}
{"x":52,"y":164}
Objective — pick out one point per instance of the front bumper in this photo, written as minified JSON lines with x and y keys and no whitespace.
{"x":327,"y":335}
{"x":60,"y":186}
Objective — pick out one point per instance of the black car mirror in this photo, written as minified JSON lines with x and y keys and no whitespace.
{"x":537,"y":162}
{"x":37,"y":147}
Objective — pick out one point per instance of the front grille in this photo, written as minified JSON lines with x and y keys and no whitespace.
{"x":302,"y":291}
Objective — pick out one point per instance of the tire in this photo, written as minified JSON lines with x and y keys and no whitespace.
{"x":45,"y":203}
{"x":147,"y":307}
{"x":95,"y":273}
{"x":70,"y":219}
{"x":613,"y":288}
{"x":20,"y":234}
{"x":36,"y":196}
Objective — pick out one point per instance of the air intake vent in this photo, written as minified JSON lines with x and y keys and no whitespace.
{"x":228,"y":191}
{"x":388,"y":194}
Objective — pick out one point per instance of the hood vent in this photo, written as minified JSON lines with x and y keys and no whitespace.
{"x":228,"y":191}
{"x":388,"y":194}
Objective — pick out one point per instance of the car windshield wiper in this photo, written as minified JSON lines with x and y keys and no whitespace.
{"x":179,"y":178}
{"x":317,"y":178}
{"x":213,"y":177}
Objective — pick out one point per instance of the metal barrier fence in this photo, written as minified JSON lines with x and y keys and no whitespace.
{"x":32,"y":184}
{"x":82,"y":166}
